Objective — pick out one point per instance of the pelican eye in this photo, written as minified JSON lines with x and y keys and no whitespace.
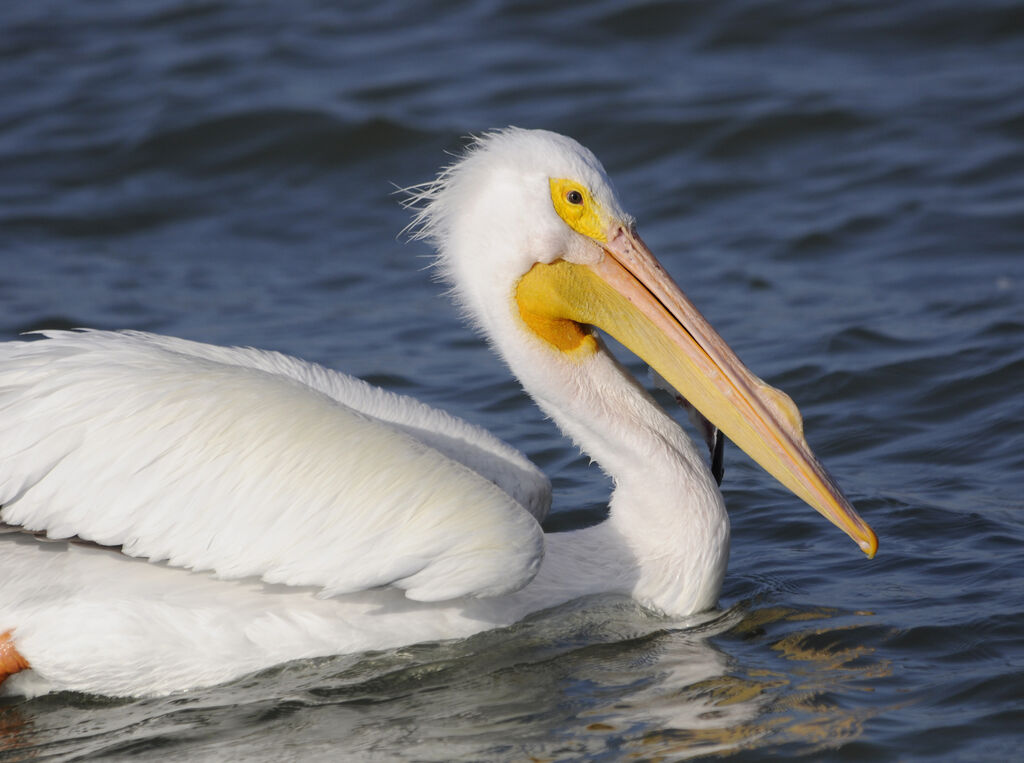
{"x":578,"y":208}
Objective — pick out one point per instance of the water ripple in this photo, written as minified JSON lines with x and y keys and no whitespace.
{"x":837,"y":186}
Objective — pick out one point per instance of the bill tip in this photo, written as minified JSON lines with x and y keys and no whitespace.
{"x":869,"y":546}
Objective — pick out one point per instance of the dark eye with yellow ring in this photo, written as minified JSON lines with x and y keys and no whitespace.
{"x":574,"y":197}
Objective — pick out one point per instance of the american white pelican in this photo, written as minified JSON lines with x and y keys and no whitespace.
{"x":319,"y":515}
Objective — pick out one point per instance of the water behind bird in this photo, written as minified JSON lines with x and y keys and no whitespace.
{"x":837,"y":187}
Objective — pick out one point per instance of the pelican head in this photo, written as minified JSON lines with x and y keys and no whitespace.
{"x":531,"y":235}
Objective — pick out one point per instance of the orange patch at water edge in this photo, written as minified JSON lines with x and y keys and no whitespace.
{"x":11,"y":661}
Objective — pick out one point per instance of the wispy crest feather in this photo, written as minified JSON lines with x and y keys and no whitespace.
{"x":430,"y":200}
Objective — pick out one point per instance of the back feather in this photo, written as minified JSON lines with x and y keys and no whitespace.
{"x":247,"y":464}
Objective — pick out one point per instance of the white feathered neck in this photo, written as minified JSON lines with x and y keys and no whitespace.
{"x":666,"y":541}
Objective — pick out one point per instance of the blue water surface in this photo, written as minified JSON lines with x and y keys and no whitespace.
{"x":838,"y":185}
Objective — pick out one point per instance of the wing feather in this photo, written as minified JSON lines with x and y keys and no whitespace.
{"x":215,"y":459}
{"x":470,"y":445}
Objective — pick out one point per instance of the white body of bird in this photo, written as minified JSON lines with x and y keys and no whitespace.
{"x":264,"y":509}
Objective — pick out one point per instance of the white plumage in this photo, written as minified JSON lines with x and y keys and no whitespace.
{"x":320,"y":515}
{"x":255,"y":464}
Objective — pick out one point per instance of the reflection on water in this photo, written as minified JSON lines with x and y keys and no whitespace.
{"x":16,"y":731}
{"x":756,"y":705}
{"x":837,"y":186}
{"x":588,"y":679}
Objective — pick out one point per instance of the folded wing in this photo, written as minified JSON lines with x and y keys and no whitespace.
{"x":248,"y":464}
